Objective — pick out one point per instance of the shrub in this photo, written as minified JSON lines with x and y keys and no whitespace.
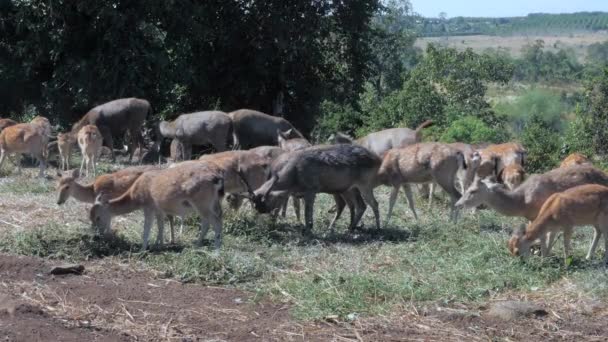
{"x":472,"y":130}
{"x":543,"y":144}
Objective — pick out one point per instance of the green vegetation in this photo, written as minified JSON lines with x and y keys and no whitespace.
{"x":365,"y":273}
{"x":536,"y":23}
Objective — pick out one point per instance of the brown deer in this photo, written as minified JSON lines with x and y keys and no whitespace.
{"x":527,"y":199}
{"x":421,"y":163}
{"x":6,"y":122}
{"x":90,"y":142}
{"x":334,"y":169}
{"x":65,"y":142}
{"x":23,"y":138}
{"x":188,"y":187}
{"x":45,"y":124}
{"x":512,"y":176}
{"x":575,"y":159}
{"x":489,"y":161}
{"x":577,"y":206}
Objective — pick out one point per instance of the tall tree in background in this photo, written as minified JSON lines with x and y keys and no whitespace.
{"x":281,"y":56}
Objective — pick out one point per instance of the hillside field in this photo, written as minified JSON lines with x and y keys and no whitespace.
{"x":576,"y":41}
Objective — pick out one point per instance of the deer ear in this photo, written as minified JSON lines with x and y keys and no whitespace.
{"x":288,"y":132}
{"x":101,"y":199}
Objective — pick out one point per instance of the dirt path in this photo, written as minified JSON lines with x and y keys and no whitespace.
{"x":113,"y":302}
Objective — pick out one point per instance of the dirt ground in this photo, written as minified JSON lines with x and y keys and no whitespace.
{"x":113,"y":302}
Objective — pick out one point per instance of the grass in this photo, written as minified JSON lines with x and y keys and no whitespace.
{"x":368,"y":272}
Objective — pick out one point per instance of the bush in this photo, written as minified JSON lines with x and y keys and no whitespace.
{"x":578,"y":137}
{"x":543,"y":144}
{"x":472,"y":130}
{"x":334,"y":118}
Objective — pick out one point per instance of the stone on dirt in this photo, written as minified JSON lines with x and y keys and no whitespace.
{"x":67,"y":269}
{"x":511,"y":310}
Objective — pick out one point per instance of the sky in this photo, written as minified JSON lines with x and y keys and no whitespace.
{"x":503,"y":8}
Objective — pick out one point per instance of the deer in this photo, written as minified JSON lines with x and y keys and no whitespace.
{"x":577,"y":206}
{"x":111,"y":185}
{"x":527,"y":199}
{"x":491,"y":160}
{"x":65,"y":142}
{"x":90,"y":142}
{"x":512,"y":176}
{"x":185,"y":188}
{"x":575,"y":159}
{"x":333,"y":169}
{"x":24,"y":138}
{"x":421,"y":163}
{"x":382,"y":141}
{"x":253,"y":129}
{"x":114,"y":118}
{"x":6,"y":122}
{"x":45,"y":124}
{"x":201,"y":128}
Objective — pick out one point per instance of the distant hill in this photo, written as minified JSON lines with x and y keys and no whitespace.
{"x":536,"y":23}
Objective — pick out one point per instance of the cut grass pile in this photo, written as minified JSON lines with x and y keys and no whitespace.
{"x":363,"y":273}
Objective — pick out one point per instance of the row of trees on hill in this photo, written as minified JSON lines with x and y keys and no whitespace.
{"x":538,"y":23}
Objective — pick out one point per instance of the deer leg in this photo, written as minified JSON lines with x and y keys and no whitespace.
{"x":431,"y":193}
{"x":309,"y":203}
{"x":216,"y":221}
{"x":160,"y":223}
{"x":203,"y":231}
{"x":82,"y":163}
{"x":391,"y":204}
{"x":2,"y":157}
{"x":340,"y":203}
{"x":567,"y":236}
{"x":368,"y":196}
{"x":410,"y":198}
{"x":148,"y":220}
{"x":596,"y":238}
{"x":137,"y":138}
{"x":171,"y":228}
{"x":296,"y":207}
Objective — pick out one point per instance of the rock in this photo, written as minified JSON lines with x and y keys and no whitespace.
{"x":67,"y":269}
{"x":510,"y":310}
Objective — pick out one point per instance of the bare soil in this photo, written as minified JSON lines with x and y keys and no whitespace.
{"x":114,"y":302}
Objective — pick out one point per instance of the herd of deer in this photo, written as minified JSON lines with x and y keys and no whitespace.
{"x":271,"y":161}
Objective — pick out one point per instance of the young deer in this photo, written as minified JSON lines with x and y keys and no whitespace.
{"x":421,"y":163}
{"x":23,"y":138}
{"x":575,"y":159}
{"x":527,"y":199}
{"x":512,"y":176}
{"x":578,"y":206}
{"x":177,"y":191}
{"x":65,"y":142}
{"x":90,"y":141}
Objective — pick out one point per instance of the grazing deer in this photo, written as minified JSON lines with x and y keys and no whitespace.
{"x":65,"y":142}
{"x":111,"y":185}
{"x":23,"y":138}
{"x":575,"y":159}
{"x":187,"y":187}
{"x":382,"y":141}
{"x":512,"y":176}
{"x":527,"y":199}
{"x":421,"y":163}
{"x":90,"y":141}
{"x":334,"y":169}
{"x":577,"y":206}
